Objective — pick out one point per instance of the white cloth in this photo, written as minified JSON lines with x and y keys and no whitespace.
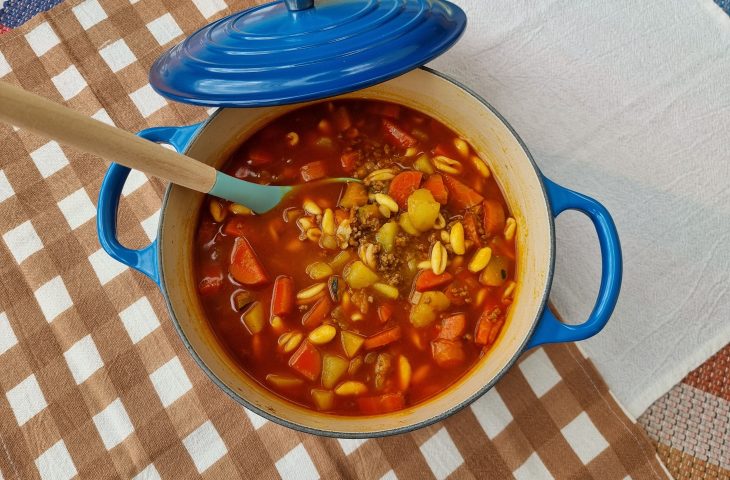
{"x":629,"y":102}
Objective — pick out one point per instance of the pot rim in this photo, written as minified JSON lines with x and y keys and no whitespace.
{"x":399,"y":430}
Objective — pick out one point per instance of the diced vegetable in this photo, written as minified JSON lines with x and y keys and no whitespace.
{"x":351,"y":389}
{"x":319,"y":270}
{"x":358,"y":275}
{"x":383,"y":364}
{"x":366,"y":212}
{"x":404,"y":373}
{"x":488,"y":326}
{"x":388,"y":291}
{"x":317,"y":313}
{"x":307,"y":361}
{"x":354,"y":195}
{"x":253,"y":318}
{"x":333,"y":367}
{"x":245,"y":266}
{"x":404,"y":220}
{"x":470,"y":228}
{"x":403,"y":185}
{"x":423,"y":210}
{"x":396,"y":136}
{"x":323,"y":399}
{"x":423,"y":164}
{"x":282,"y":300}
{"x":386,"y":236}
{"x":427,"y":280}
{"x":284,"y":381}
{"x":340,"y":260}
{"x":493,"y":217}
{"x":349,"y":160}
{"x":453,"y":326}
{"x":383,"y":338}
{"x":461,"y":196}
{"x":241,"y":299}
{"x":385,"y":312}
{"x":259,"y":156}
{"x":389,"y":402}
{"x":448,"y":353}
{"x":495,"y":274}
{"x":430,"y":303}
{"x":313,"y":171}
{"x":435,"y":184}
{"x":351,"y":343}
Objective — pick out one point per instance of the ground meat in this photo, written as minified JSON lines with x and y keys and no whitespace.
{"x":377,"y":187}
{"x":401,"y":240}
{"x":388,"y":262}
{"x":360,"y":299}
{"x":393,"y":278}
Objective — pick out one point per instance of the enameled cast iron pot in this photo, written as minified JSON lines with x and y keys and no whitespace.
{"x":533,"y":199}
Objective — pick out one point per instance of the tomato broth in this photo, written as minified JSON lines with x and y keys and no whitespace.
{"x":366,"y":297}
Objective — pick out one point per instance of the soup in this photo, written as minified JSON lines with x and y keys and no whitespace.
{"x":366,"y":297}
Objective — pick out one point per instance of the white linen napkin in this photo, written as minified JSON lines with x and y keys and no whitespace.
{"x":628,"y":102}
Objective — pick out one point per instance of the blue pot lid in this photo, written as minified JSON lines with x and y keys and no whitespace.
{"x":292,"y":50}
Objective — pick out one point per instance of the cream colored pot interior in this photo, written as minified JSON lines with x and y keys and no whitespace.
{"x":442,"y":99}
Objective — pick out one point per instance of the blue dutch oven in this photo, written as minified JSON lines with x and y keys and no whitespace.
{"x":263,"y":59}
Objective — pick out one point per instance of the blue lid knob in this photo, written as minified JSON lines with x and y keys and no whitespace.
{"x":296,"y":50}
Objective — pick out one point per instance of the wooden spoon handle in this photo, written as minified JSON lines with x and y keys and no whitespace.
{"x":45,"y":117}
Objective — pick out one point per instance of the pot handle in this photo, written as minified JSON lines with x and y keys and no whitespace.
{"x":551,"y":330}
{"x":145,"y":259}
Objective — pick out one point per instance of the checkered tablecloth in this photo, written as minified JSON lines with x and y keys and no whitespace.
{"x":95,"y":381}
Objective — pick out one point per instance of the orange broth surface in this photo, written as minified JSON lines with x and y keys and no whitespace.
{"x":339,"y":299}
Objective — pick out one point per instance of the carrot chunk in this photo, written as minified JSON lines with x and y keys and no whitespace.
{"x":349,"y":161}
{"x":403,"y":185}
{"x":282,"y":300}
{"x":313,"y":171}
{"x":318,"y":312}
{"x":396,"y":136}
{"x":245,"y":266}
{"x":447,"y":353}
{"x":427,"y":280}
{"x":236,"y":227}
{"x":259,"y":156}
{"x":435,"y":184}
{"x":461,"y":196}
{"x":307,"y":360}
{"x":389,"y":402}
{"x":488,"y":327}
{"x":385,"y":311}
{"x":493,"y":217}
{"x":453,"y":327}
{"x":470,"y":228}
{"x":383,"y":338}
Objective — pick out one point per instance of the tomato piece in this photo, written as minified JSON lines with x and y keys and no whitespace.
{"x":383,"y":338}
{"x":307,"y":360}
{"x":453,"y":327}
{"x":447,"y":353}
{"x":461,"y":196}
{"x":427,"y":280}
{"x":313,"y":171}
{"x":493,"y":217}
{"x":441,"y":150}
{"x":488,"y":327}
{"x":212,"y":280}
{"x":385,"y":109}
{"x":385,"y":312}
{"x":282,"y":300}
{"x":403,"y":185}
{"x":258,"y":156}
{"x":349,"y":160}
{"x":245,"y":266}
{"x":396,"y":136}
{"x":470,"y":228}
{"x":318,"y":312}
{"x":435,"y":184}
{"x":389,"y":402}
{"x":236,"y":227}
{"x":342,"y":120}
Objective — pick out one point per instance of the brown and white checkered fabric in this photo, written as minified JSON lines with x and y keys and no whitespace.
{"x":94,"y":381}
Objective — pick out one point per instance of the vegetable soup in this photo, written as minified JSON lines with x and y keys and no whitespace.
{"x":365,"y":297}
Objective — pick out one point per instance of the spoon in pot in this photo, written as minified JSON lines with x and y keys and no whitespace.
{"x":45,"y":117}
